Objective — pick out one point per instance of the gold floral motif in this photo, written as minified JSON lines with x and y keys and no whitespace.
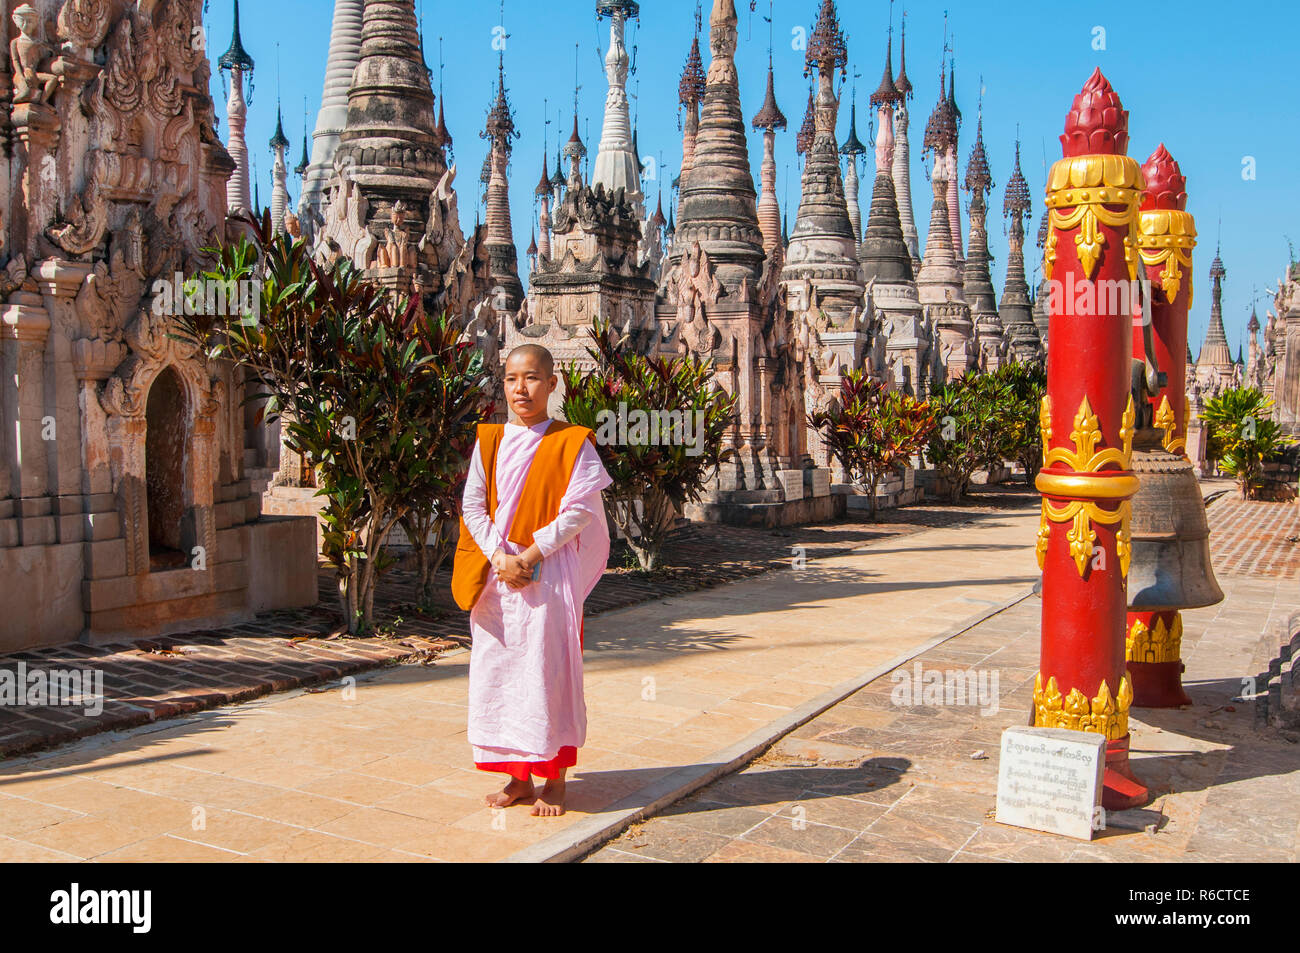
{"x":1045,"y":424}
{"x":1167,"y":237}
{"x":1081,"y":514}
{"x":1106,"y":714}
{"x":1085,"y":457}
{"x":1044,"y":536}
{"x":1088,"y":186}
{"x":1165,"y":420}
{"x":1160,"y":643}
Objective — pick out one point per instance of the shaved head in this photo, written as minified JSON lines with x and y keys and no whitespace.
{"x":537,"y":353}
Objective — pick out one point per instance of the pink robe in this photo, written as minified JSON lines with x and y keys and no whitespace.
{"x":525,"y":675}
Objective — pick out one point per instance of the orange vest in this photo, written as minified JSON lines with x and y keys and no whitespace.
{"x":539,"y":504}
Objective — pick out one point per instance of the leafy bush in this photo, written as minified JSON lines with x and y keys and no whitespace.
{"x":1026,"y":387}
{"x":382,"y":399}
{"x":655,"y":471}
{"x":1242,"y":436}
{"x":985,"y":419}
{"x":872,"y":431}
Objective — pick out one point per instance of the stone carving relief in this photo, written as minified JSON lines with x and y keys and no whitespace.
{"x":28,"y":55}
{"x":696,"y":288}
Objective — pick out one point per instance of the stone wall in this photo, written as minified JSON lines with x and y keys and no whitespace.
{"x":116,"y":181}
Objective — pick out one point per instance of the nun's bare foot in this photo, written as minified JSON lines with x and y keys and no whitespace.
{"x":516,"y":790}
{"x":550,"y":803}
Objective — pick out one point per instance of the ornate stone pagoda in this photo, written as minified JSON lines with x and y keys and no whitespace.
{"x":1215,"y":369}
{"x":977,"y":282}
{"x":344,"y":53}
{"x":1016,"y":310}
{"x":719,"y":300}
{"x":885,"y":258}
{"x":498,"y":235}
{"x":391,"y":205}
{"x":821,"y":269}
{"x":617,"y":164}
{"x":939,"y":282}
{"x":125,"y":507}
{"x":1282,"y":351}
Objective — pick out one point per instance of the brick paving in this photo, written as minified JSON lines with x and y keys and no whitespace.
{"x":163,"y":678}
{"x":1255,"y":537}
{"x":380,"y":769}
{"x":869,"y":781}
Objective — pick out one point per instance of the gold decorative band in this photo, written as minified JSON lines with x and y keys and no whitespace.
{"x":1167,"y":237}
{"x":1089,"y":186}
{"x":1158,"y":643}
{"x":1105,"y":714}
{"x":1090,"y":485}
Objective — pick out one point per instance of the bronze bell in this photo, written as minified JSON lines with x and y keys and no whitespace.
{"x":1170,"y":570}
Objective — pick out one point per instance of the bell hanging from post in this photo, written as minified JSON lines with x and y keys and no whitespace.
{"x":1170,"y":568}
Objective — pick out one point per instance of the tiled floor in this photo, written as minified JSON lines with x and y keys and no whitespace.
{"x":871,"y":781}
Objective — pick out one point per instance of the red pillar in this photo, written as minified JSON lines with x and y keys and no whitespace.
{"x":1091,"y":260}
{"x":1166,"y":237}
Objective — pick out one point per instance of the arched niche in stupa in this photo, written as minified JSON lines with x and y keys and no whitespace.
{"x":166,"y":440}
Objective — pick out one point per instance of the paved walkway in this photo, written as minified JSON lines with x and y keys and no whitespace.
{"x":150,"y":680}
{"x":869,"y":780}
{"x":680,"y":690}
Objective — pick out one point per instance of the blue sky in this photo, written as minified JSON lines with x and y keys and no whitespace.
{"x":1212,"y":83}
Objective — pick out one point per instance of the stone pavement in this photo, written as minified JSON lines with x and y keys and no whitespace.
{"x":145,"y":681}
{"x":871,"y":781}
{"x":680,"y":690}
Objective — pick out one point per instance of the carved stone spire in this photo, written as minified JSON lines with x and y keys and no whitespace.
{"x":1042,"y":319}
{"x":543,"y":193}
{"x":887,"y":267}
{"x":1015,"y":309}
{"x":803,"y":140}
{"x":884,"y":254}
{"x":617,"y":163}
{"x":769,"y":119}
{"x":977,"y":281}
{"x":239,"y":64}
{"x":718,"y":208}
{"x":954,"y":197}
{"x":902,"y":167}
{"x":823,"y":246}
{"x":279,"y":174}
{"x":851,"y":150}
{"x":1214,"y":362}
{"x":392,"y":207}
{"x":939,"y":282}
{"x":575,"y":151}
{"x":689,"y":93}
{"x":499,"y":237}
{"x":344,"y":51}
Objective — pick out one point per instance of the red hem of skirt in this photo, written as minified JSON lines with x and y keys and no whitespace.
{"x":523,"y":770}
{"x":548,"y":770}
